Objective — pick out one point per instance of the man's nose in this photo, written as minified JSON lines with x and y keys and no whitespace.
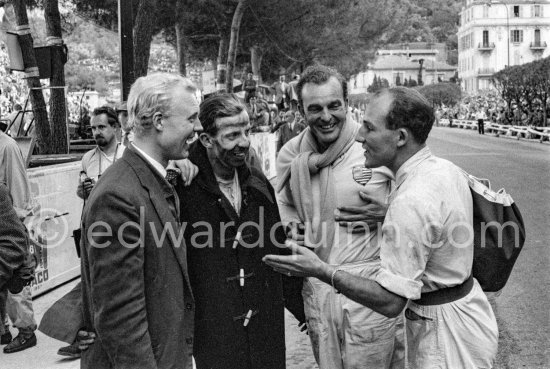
{"x":359,"y":137}
{"x":197,"y":127}
{"x":325,"y":114}
{"x":244,"y":141}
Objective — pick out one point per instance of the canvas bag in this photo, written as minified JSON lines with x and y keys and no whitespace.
{"x":495,"y":214}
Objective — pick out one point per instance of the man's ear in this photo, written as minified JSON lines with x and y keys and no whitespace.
{"x":404,"y":136}
{"x":157,"y":121}
{"x":205,"y":139}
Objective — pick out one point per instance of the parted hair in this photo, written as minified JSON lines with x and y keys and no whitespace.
{"x":319,"y":74}
{"x":220,"y":105}
{"x":111,"y":114}
{"x":151,"y":94}
{"x":409,"y":109}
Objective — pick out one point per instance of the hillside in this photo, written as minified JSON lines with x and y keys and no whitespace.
{"x":432,"y":21}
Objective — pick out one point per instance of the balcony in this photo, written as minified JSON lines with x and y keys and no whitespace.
{"x":485,"y":72}
{"x":540,"y":45}
{"x":486,"y":46}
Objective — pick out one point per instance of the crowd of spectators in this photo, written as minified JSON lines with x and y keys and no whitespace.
{"x":496,"y":110}
{"x":13,"y":89}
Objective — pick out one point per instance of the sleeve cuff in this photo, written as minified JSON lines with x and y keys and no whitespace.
{"x":404,"y":287}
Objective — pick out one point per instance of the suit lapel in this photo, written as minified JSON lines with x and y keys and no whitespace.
{"x":161,"y":195}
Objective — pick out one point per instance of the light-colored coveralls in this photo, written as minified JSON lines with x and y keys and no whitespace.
{"x":345,"y":334}
{"x":428,"y":245}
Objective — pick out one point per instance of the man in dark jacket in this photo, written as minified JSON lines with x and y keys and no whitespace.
{"x":290,"y":129}
{"x":136,"y":293}
{"x":231,"y":221}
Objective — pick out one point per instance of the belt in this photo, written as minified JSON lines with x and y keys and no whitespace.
{"x":446,"y":295}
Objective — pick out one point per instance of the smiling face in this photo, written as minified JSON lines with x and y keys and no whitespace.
{"x":230,"y":145}
{"x":324,"y":109}
{"x":180,"y":125}
{"x":379,"y":142}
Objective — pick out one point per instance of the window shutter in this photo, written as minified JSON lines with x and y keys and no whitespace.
{"x":521,"y":36}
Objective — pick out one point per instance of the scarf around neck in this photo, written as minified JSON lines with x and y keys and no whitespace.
{"x":297,"y":162}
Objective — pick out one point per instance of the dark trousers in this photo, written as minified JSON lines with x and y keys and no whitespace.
{"x":480,"y":127}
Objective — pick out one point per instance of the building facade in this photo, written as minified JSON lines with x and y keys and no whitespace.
{"x":398,"y":68}
{"x":494,"y":34}
{"x":417,"y":50}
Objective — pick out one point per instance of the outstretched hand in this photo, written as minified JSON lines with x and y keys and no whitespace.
{"x":365,"y":217}
{"x":302,"y":263}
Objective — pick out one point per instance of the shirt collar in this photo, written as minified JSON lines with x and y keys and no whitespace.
{"x":158,"y":166}
{"x":411,"y":163}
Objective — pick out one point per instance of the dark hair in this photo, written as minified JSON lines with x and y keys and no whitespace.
{"x":220,"y":105}
{"x":409,"y":109}
{"x":111,"y":114}
{"x":319,"y":74}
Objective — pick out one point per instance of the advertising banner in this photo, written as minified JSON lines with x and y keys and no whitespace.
{"x":51,"y":227}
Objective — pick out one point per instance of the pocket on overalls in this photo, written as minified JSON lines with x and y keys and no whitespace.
{"x":314,"y":322}
{"x":423,"y":340}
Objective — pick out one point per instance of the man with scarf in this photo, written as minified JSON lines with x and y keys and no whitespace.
{"x":321,"y":177}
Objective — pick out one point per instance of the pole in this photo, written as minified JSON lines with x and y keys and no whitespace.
{"x":507,"y":26}
{"x":125,"y":33}
{"x":507,"y":31}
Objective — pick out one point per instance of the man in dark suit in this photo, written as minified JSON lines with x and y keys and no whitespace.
{"x":136,"y":293}
{"x":290,"y":129}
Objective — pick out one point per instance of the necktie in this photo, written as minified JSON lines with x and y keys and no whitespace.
{"x":172,"y":176}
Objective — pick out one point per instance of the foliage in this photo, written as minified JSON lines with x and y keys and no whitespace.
{"x":430,"y":21}
{"x":445,"y":93}
{"x":288,"y":35}
{"x":526,"y":86}
{"x":378,"y":84}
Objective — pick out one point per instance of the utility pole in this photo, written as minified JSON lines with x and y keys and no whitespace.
{"x":126,"y":37}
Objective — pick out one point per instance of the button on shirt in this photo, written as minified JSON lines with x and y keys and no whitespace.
{"x":427,"y":236}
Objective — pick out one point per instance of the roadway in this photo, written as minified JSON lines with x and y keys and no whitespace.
{"x":523,"y":313}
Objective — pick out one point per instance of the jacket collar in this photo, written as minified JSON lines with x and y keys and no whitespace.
{"x":207,"y":180}
{"x":411,"y":164}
